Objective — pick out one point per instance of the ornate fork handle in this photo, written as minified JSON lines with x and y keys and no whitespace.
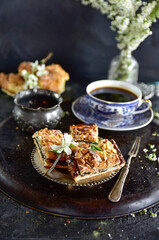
{"x":116,"y":192}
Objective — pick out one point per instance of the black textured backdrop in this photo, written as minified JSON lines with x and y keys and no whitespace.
{"x":79,"y":36}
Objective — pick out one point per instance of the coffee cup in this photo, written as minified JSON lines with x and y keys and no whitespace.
{"x":115,"y":99}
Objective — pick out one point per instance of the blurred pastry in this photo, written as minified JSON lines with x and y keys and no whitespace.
{"x":35,"y":75}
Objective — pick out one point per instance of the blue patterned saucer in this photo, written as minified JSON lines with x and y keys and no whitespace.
{"x":82,"y":111}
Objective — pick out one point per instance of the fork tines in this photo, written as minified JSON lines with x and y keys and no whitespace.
{"x":135,"y":147}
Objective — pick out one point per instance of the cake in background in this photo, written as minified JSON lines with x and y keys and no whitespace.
{"x":35,"y":75}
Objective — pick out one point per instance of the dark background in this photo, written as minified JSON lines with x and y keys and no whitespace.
{"x":84,"y":45}
{"x":79,"y":36}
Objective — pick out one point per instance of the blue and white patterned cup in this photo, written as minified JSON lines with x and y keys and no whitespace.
{"x":116,"y":109}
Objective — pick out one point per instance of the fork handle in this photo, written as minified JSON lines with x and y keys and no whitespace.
{"x":116,"y":192}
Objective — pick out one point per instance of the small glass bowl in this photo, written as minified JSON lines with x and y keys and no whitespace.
{"x":37,"y":108}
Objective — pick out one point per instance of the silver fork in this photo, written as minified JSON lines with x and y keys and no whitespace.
{"x":116,"y":192}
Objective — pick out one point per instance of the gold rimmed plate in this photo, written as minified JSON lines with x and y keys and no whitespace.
{"x":63,"y":177}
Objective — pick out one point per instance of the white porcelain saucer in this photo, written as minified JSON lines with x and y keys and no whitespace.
{"x":82,"y":111}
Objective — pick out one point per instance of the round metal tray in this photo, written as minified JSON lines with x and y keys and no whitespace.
{"x":20,"y":181}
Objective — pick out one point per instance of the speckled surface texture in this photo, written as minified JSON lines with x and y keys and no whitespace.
{"x":19,"y":222}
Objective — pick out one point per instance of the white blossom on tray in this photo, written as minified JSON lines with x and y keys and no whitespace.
{"x":67,"y":143}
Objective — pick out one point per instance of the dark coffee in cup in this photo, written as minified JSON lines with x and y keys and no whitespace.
{"x":115,"y":99}
{"x":114,"y":94}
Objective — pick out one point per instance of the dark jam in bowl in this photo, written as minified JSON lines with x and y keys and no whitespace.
{"x":113,"y":94}
{"x":36,"y":101}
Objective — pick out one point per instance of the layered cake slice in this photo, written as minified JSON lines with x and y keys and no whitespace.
{"x":89,"y":161}
{"x":83,"y":154}
{"x":43,"y":140}
{"x":84,"y":132}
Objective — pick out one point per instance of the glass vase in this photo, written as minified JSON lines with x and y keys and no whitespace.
{"x":131,"y":70}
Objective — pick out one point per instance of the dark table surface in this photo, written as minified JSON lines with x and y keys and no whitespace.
{"x":20,"y":222}
{"x":84,"y":45}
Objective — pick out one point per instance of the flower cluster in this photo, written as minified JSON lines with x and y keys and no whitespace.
{"x":67,"y":143}
{"x":39,"y":69}
{"x":151,"y":153}
{"x":31,"y":79}
{"x":132,"y":21}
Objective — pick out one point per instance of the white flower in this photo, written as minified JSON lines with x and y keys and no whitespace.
{"x":34,"y":65}
{"x":24,"y":74}
{"x":154,"y":150}
{"x":32,"y":77}
{"x":132,"y":214}
{"x":67,"y":141}
{"x":151,"y":146}
{"x":41,"y":70}
{"x":31,"y":81}
{"x":153,"y":215}
{"x":152,"y":157}
{"x":145,"y":150}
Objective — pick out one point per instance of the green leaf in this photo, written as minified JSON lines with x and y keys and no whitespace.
{"x":65,"y":114}
{"x":153,"y":215}
{"x":71,"y":145}
{"x":56,"y":153}
{"x":96,"y":143}
{"x":94,"y":148}
{"x":143,"y":212}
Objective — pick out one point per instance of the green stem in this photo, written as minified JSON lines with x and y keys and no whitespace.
{"x":122,"y":71}
{"x":44,"y":60}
